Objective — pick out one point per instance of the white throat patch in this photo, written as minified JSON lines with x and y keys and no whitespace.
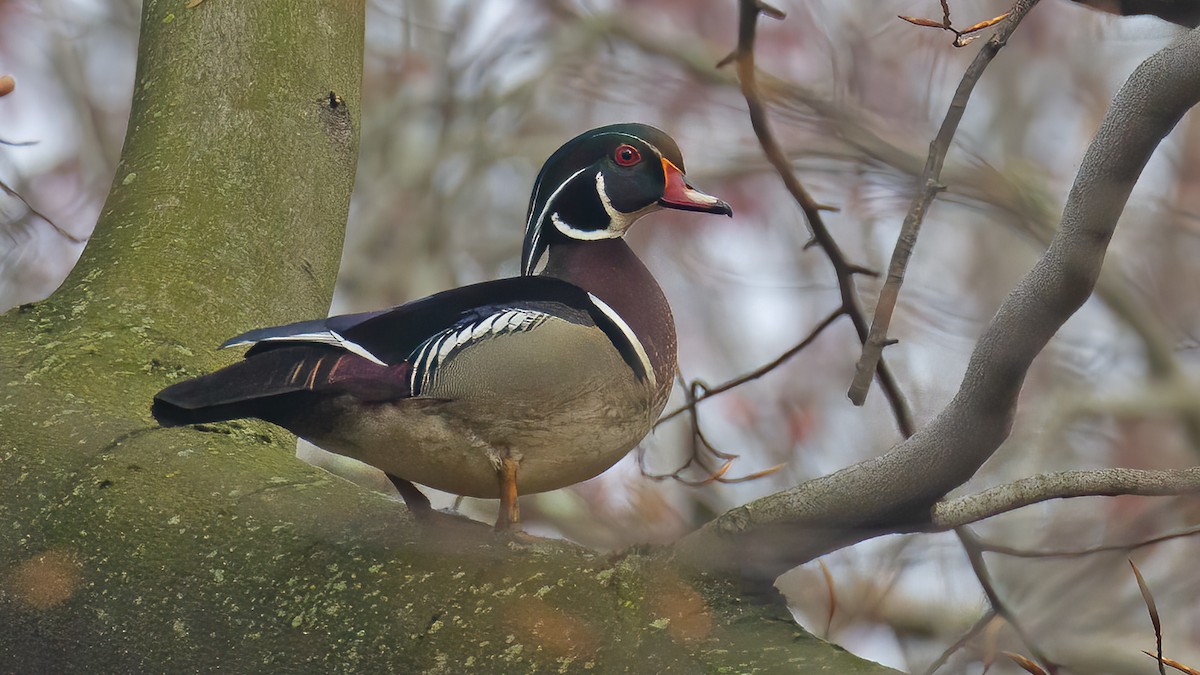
{"x":618,"y":222}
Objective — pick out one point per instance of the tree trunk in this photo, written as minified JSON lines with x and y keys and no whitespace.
{"x":128,"y":548}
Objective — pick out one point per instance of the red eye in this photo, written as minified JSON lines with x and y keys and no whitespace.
{"x":627,"y":155}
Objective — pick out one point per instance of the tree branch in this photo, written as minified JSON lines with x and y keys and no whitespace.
{"x":844,"y":270}
{"x":897,"y":491}
{"x":974,"y":550}
{"x":710,"y":392}
{"x":1063,"y":485}
{"x":1109,"y":548}
{"x":930,"y":186}
{"x":962,"y":641}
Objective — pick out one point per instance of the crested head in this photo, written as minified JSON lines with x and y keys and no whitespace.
{"x":600,"y":182}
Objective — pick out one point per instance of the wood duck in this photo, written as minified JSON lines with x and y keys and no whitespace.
{"x":519,"y":385}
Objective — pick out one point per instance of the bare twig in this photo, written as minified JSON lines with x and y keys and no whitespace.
{"x":1024,"y":204}
{"x":901,"y":490}
{"x":1110,"y":548}
{"x":67,"y":235}
{"x":832,"y":594}
{"x":1067,"y":484}
{"x":710,"y":392}
{"x":747,"y":76}
{"x":963,"y":37}
{"x":974,"y":550}
{"x":962,"y":641}
{"x":700,"y":446}
{"x":930,"y":187}
{"x":1027,"y":664}
{"x":1173,"y":663}
{"x":7,"y":85}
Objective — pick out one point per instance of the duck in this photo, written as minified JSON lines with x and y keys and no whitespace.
{"x":496,"y":389}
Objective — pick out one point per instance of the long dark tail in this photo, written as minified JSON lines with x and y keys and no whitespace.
{"x":172,"y":415}
{"x":275,"y":384}
{"x":234,"y":392}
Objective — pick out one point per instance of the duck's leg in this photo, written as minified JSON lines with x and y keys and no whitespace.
{"x":414,"y":499}
{"x":510,"y":515}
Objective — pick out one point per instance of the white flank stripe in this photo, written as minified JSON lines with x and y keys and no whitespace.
{"x":499,"y":324}
{"x":629,"y":335}
{"x":420,"y":358}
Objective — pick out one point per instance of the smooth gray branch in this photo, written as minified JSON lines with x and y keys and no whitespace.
{"x":978,"y":184}
{"x":1063,"y":485}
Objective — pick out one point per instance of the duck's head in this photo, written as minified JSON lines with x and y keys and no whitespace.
{"x":599,"y":183}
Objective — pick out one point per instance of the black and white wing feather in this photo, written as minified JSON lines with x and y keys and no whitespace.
{"x":477,"y":328}
{"x":425,"y":333}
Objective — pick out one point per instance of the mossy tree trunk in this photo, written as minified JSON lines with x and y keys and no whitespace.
{"x":128,"y":548}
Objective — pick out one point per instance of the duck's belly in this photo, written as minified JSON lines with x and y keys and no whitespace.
{"x":567,"y":412}
{"x":454,"y":446}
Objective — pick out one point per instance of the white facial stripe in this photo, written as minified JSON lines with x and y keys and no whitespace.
{"x":619,"y":222}
{"x":541,"y":218}
{"x":629,"y":335}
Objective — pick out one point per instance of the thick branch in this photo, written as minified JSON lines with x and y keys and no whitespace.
{"x":1064,"y":485}
{"x":930,"y":185}
{"x":896,"y":492}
